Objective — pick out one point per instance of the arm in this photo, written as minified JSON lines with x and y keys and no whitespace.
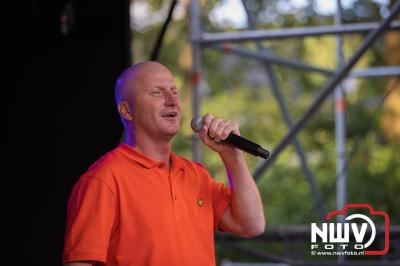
{"x":91,"y":215}
{"x":245,"y":216}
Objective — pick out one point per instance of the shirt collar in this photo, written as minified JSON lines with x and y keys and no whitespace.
{"x":145,"y":161}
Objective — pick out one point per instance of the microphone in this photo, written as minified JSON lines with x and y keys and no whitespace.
{"x":234,"y":140}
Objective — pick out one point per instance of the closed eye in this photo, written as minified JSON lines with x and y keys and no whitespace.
{"x":156,"y":92}
{"x":160,"y":91}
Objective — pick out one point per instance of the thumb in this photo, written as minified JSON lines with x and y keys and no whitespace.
{"x":203,"y":134}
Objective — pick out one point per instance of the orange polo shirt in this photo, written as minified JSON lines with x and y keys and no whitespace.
{"x":130,"y":210}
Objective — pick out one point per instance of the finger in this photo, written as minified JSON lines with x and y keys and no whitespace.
{"x":203,"y":133}
{"x":220,"y":128}
{"x":213,"y":127}
{"x":226,"y":131}
{"x":235,"y":129}
{"x":207,"y":120}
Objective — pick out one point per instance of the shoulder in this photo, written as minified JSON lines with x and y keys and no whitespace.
{"x":105,"y":169}
{"x":105,"y":163}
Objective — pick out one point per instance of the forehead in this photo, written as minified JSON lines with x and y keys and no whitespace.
{"x":155,"y":75}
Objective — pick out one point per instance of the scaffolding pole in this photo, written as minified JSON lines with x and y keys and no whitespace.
{"x":259,"y":35}
{"x":271,"y":58}
{"x":195,"y":30}
{"x":340,"y":127}
{"x":382,"y":71}
{"x":375,"y":72}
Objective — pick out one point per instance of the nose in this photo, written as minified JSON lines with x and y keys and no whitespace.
{"x":172,"y":99}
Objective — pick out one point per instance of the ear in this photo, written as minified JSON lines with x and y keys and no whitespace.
{"x":125,"y":111}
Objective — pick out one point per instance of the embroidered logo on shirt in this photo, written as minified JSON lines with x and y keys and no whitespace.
{"x":200,"y":202}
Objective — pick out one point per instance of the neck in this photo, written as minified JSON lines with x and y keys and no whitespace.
{"x":158,"y":150}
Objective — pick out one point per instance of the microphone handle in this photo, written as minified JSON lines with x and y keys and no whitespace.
{"x":246,"y":145}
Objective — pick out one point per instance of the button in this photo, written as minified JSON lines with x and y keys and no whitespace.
{"x":160,"y":165}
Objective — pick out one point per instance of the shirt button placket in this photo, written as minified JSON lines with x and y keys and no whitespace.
{"x":173,"y":194}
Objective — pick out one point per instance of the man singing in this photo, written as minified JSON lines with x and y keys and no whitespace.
{"x":141,"y":204}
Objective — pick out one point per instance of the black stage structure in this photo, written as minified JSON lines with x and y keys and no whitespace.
{"x":61,"y":60}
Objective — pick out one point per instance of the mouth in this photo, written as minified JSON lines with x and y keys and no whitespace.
{"x":170,"y":114}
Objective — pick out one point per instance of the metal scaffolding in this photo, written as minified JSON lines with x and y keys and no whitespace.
{"x":221,"y":41}
{"x":202,"y":40}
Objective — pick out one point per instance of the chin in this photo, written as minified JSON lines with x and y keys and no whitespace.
{"x":171,"y":132}
{"x":170,"y":129}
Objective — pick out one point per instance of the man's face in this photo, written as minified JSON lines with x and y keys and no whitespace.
{"x":156,"y":103}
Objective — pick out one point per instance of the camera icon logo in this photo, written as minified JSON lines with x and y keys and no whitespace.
{"x":357,"y":232}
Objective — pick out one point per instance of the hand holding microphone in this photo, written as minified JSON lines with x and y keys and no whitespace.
{"x":227,"y":133}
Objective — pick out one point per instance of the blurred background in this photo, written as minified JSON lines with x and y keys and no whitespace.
{"x":63,"y":57}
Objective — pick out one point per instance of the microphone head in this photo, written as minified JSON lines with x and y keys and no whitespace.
{"x":197,"y":123}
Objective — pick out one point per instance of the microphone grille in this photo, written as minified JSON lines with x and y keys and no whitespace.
{"x":197,"y":123}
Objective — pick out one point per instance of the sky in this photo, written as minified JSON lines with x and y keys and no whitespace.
{"x":231,"y":12}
